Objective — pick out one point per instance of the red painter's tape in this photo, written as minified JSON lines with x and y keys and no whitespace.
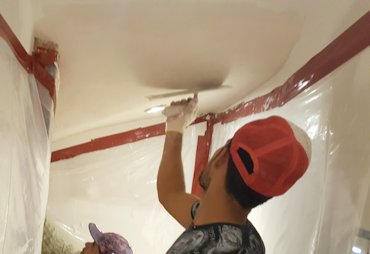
{"x":109,"y":141}
{"x":45,"y":56}
{"x":20,"y":53}
{"x":202,"y":156}
{"x":45,"y":79}
{"x":32,"y":64}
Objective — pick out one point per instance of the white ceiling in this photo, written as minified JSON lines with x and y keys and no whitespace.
{"x":115,"y":53}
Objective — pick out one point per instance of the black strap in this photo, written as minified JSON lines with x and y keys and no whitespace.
{"x":194,"y":209}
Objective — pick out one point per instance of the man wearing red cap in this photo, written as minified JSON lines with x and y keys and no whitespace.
{"x":262,"y":160}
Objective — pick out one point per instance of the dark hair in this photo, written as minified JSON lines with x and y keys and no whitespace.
{"x":236,"y":187}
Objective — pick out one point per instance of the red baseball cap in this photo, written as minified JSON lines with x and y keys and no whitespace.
{"x":279,"y":151}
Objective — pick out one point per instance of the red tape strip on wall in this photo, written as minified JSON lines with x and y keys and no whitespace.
{"x":32,"y":64}
{"x":109,"y":141}
{"x":114,"y":140}
{"x":20,"y":53}
{"x":202,"y":155}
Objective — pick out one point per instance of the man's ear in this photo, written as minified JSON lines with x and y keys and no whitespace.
{"x":222,"y":158}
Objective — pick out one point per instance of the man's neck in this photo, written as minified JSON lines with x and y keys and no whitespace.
{"x":217,"y":206}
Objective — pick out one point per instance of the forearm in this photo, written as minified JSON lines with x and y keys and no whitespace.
{"x":170,"y":175}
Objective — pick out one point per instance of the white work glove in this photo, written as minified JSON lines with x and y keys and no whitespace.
{"x":180,"y":114}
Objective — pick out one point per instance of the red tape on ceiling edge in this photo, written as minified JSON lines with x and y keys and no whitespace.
{"x":32,"y":64}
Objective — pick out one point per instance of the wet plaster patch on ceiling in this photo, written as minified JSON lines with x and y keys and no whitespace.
{"x":116,"y":53}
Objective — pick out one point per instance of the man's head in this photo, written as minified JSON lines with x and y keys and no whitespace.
{"x":106,"y":243}
{"x":263,"y":159}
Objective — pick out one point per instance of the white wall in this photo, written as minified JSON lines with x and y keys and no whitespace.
{"x":24,"y":146}
{"x":365,"y":223}
{"x":20,"y":15}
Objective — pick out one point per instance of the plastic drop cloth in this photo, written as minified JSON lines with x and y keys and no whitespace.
{"x":24,"y":159}
{"x":116,"y":189}
{"x":322,"y":212}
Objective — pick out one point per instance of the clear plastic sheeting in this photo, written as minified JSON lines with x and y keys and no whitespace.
{"x":46,"y":100}
{"x":116,"y":189}
{"x":24,"y":159}
{"x":322,"y":212}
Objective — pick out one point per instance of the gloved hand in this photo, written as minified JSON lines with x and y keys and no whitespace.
{"x":181,"y":114}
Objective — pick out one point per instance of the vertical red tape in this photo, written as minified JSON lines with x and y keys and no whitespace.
{"x":202,"y":156}
{"x":15,"y":45}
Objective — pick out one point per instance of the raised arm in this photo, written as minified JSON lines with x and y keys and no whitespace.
{"x":170,"y":182}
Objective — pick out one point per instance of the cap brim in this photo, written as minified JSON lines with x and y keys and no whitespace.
{"x":95,"y":232}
